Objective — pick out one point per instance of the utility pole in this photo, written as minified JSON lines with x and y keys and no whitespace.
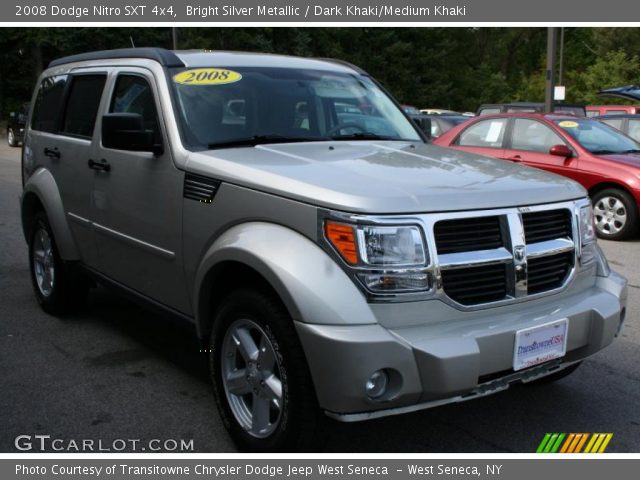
{"x":550,"y":79}
{"x":174,"y":37}
{"x":561,"y":61}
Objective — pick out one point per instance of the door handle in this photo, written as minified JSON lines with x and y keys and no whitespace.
{"x":515,"y":158}
{"x":102,"y":165}
{"x":53,"y":153}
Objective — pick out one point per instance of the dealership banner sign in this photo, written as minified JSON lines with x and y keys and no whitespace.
{"x":314,"y":11}
{"x":125,"y":468}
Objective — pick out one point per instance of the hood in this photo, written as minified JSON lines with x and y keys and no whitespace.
{"x":384,"y":177}
{"x":628,"y":92}
{"x":631,"y":159}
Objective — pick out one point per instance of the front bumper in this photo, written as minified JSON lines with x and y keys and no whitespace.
{"x":450,"y":356}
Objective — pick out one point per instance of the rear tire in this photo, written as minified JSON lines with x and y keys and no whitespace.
{"x":11,"y":138}
{"x":616,"y":214}
{"x":261,"y":380}
{"x":58,"y":287}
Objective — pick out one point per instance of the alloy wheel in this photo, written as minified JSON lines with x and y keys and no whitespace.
{"x":43,"y":261}
{"x":610,"y":214}
{"x":252,"y":378}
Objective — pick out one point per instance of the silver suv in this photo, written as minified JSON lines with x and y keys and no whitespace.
{"x":334,"y":263}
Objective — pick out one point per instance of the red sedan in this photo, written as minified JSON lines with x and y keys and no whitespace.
{"x":605,"y":161}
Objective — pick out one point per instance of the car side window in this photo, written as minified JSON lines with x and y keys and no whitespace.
{"x":436,"y":131}
{"x":48,"y":104}
{"x":614,"y":122}
{"x":533,"y":136}
{"x":82,"y":105}
{"x":634,"y":129}
{"x":486,"y":133}
{"x":488,"y":111}
{"x":133,"y":94}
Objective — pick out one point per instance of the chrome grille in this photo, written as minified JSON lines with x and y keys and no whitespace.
{"x":486,"y":258}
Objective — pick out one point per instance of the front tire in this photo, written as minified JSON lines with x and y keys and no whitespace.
{"x":59,"y":289}
{"x":261,"y":380}
{"x":616,"y":214}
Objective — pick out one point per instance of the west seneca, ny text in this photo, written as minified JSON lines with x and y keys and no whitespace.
{"x":250,"y":470}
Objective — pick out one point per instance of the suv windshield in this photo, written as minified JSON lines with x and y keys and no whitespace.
{"x":252,"y":105}
{"x":597,"y":137}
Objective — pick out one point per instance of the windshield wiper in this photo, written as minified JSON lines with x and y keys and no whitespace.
{"x":603,"y":152}
{"x":362,"y":136}
{"x":254,"y":140}
{"x":633,"y":150}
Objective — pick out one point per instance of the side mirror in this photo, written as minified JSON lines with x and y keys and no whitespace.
{"x":561,"y":151}
{"x":125,"y":131}
{"x":423,"y":124}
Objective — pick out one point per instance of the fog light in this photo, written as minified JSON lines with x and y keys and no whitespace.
{"x":377,"y":384}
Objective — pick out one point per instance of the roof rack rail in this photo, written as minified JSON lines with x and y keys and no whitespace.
{"x":343,"y":63}
{"x":164,"y":57}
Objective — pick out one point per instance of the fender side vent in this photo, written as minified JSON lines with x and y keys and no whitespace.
{"x":199,"y":188}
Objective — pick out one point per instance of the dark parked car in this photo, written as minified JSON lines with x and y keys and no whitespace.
{"x":603,"y":160}
{"x":530,"y":107}
{"x":627,"y":124}
{"x":15,"y":126}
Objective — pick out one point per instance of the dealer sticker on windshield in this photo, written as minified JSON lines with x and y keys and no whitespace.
{"x":540,"y":344}
{"x":568,"y":124}
{"x":207,"y":76}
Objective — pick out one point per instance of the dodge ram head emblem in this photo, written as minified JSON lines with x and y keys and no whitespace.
{"x":518,"y":253}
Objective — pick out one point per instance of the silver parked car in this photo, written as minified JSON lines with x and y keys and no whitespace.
{"x":333,"y":262}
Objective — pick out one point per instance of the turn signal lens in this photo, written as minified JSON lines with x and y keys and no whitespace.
{"x":343,"y":238}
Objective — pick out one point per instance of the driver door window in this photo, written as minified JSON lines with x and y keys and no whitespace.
{"x":530,"y":144}
{"x":533,"y":136}
{"x":133,"y":94}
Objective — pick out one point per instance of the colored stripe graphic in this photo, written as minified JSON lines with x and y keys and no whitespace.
{"x":574,"y":443}
{"x":565,"y":447}
{"x":581,"y":443}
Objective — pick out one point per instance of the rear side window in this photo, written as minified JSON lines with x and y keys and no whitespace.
{"x":487,"y":133}
{"x":634,"y":129}
{"x":82,"y":106}
{"x":48,"y":104}
{"x":614,"y":122}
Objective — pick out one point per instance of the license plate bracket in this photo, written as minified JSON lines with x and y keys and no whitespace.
{"x":540,"y":344}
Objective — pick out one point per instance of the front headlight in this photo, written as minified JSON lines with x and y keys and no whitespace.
{"x":587,"y":230}
{"x":393,"y":246}
{"x":587,"y":235}
{"x":386,"y":259}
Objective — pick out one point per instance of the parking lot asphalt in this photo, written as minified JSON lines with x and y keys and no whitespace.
{"x":114,"y":371}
